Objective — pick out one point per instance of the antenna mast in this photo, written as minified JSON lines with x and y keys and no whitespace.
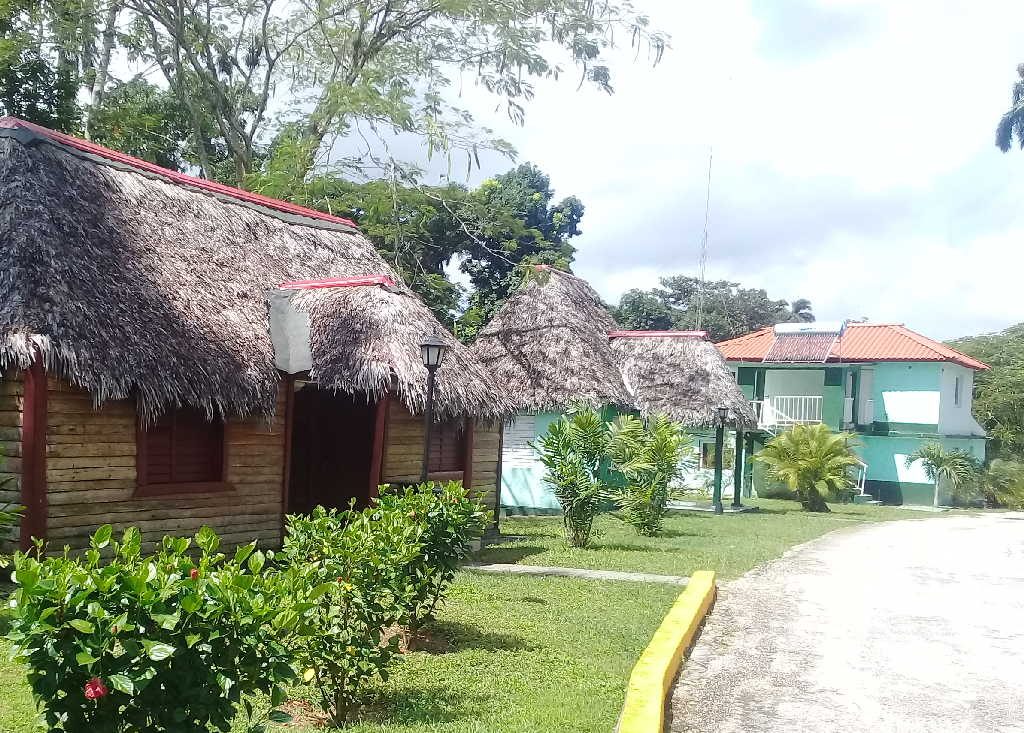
{"x":704,"y":247}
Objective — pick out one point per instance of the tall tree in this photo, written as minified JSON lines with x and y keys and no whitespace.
{"x":355,"y":66}
{"x":513,"y":222}
{"x":1012,"y":123}
{"x":722,"y":308}
{"x":999,"y":392}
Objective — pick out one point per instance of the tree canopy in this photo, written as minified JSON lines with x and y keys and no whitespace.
{"x":1011,"y":126}
{"x":999,"y":392}
{"x":245,"y":71}
{"x":722,"y":308}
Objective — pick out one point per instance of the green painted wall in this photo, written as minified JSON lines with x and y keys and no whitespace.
{"x":523,"y":489}
{"x":832,"y":398}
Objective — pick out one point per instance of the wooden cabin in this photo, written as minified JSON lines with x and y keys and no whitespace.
{"x":142,"y":385}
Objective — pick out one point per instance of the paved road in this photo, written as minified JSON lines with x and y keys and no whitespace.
{"x":909,"y":626}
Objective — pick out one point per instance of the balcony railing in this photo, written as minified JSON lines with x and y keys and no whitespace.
{"x":782,"y":411}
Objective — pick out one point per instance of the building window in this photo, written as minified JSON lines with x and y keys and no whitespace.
{"x":447,"y":447}
{"x":181,"y":452}
{"x":957,"y":386}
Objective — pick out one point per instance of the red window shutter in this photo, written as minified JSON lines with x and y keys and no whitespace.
{"x":447,"y":447}
{"x":184,"y":447}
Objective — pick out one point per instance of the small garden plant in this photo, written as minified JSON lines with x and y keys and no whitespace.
{"x":812,"y":461}
{"x":573,"y":452}
{"x":362,"y":573}
{"x":649,"y":456}
{"x":119,"y":641}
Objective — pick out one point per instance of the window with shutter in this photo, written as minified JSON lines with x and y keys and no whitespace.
{"x":447,"y":447}
{"x":181,"y":452}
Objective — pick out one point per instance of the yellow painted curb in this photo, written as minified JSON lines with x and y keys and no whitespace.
{"x":652,"y":677}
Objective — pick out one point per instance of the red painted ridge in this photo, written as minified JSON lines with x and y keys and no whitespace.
{"x":181,"y":179}
{"x":339,"y":282}
{"x":657,"y":334}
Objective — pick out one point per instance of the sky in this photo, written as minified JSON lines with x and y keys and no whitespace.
{"x":853,"y":157}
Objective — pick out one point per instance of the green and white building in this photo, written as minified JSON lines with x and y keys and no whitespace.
{"x":553,"y":345}
{"x":896,"y":389}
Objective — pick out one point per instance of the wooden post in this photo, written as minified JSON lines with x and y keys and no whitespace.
{"x":380,"y":421}
{"x":497,"y":478}
{"x":467,"y":464}
{"x":33,"y":455}
{"x":289,"y":422}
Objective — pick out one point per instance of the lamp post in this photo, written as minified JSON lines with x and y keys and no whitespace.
{"x":716,"y":499}
{"x":432,"y":350}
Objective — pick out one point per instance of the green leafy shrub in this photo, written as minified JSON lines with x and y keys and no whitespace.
{"x":175,"y":641}
{"x":954,"y":472}
{"x":1002,"y":485}
{"x":573,"y":452}
{"x":811,"y":461}
{"x":347,"y":568}
{"x":446,"y":522}
{"x":649,"y":456}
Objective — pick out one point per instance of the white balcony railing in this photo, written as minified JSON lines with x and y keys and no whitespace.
{"x":783,"y":411}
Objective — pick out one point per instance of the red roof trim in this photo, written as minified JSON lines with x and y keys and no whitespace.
{"x":181,"y":179}
{"x":656,"y":334}
{"x":339,"y":282}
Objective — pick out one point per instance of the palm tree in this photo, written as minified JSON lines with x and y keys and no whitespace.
{"x":1012,"y":123}
{"x":800,"y":311}
{"x":945,"y":468}
{"x":649,"y":456}
{"x":812,"y":461}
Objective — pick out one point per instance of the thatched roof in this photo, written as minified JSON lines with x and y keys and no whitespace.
{"x":554,"y":344}
{"x":682,"y":375}
{"x":548,"y":345}
{"x":131,"y":280}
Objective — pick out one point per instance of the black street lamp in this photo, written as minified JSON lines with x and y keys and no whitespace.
{"x":432,"y":350}
{"x":716,"y":499}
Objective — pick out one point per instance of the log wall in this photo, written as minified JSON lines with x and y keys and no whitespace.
{"x":403,"y":453}
{"x":91,"y":477}
{"x":12,"y":391}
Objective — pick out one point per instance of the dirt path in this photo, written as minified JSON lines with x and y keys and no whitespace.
{"x":903,"y":626}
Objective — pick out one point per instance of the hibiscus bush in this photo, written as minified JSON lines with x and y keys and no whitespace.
{"x":366,"y":573}
{"x":346,"y":567}
{"x":175,"y":641}
{"x":445,"y":522}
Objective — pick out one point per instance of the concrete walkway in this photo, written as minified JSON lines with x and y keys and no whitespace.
{"x":577,"y":573}
{"x":909,"y":626}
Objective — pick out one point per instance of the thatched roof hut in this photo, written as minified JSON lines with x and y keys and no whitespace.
{"x":682,"y":375}
{"x":129,"y":279}
{"x":554,"y":344}
{"x":548,"y":345}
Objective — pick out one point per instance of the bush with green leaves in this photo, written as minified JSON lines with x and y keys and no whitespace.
{"x":446,"y":522}
{"x":1002,"y":484}
{"x":811,"y":461}
{"x":348,"y":569}
{"x":954,"y":472}
{"x":649,"y":456}
{"x":10,"y":516}
{"x":115,"y":640}
{"x":573,"y":453}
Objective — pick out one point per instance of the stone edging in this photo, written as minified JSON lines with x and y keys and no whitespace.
{"x":652,"y":677}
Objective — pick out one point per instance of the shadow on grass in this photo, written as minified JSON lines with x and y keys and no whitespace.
{"x":462,"y":636}
{"x":507,"y":555}
{"x":420,"y":705}
{"x":625,"y":547}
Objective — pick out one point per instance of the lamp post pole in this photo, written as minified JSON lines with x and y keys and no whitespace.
{"x":432,"y":351}
{"x":738,"y":470}
{"x":716,"y":498}
{"x":428,"y":422}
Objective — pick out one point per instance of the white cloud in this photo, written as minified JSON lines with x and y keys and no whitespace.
{"x":854,"y":157}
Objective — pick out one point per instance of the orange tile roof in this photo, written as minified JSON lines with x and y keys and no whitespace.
{"x":861,"y":342}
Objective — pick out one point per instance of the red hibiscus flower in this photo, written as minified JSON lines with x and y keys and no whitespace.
{"x":95,"y":689}
{"x":193,"y":573}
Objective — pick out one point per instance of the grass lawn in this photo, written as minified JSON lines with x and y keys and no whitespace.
{"x":730,"y":544}
{"x":533,"y":655}
{"x":524,"y":655}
